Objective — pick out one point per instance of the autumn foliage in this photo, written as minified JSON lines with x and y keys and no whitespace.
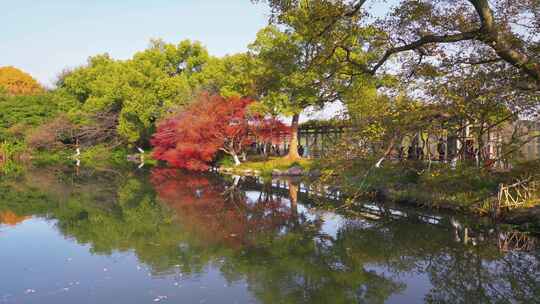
{"x":11,"y":219}
{"x":17,"y":82}
{"x":191,"y":138}
{"x":219,"y":214}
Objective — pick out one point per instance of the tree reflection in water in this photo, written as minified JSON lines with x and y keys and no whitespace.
{"x":184,"y":223}
{"x":220,"y":213}
{"x":11,"y":219}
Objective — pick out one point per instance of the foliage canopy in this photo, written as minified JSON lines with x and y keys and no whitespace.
{"x":17,"y":82}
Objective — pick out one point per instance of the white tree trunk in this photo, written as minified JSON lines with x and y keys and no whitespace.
{"x":236,"y":160}
{"x":236,"y":180}
{"x":379,"y":163}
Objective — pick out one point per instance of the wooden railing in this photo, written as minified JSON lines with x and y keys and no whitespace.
{"x":516,"y":195}
{"x":516,"y":241}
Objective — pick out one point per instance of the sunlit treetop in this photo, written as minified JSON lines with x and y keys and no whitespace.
{"x":140,"y":90}
{"x":451,"y":33}
{"x":16,"y":82}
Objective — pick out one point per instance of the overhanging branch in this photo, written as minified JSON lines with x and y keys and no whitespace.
{"x":450,"y":38}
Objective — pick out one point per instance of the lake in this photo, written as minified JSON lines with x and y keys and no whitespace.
{"x":171,"y":237}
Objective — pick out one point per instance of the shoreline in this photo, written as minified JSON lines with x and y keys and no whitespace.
{"x":524,"y":217}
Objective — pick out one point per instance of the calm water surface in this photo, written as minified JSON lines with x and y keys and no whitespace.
{"x":170,"y":237}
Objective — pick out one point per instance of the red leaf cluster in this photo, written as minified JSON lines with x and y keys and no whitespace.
{"x":191,"y":138}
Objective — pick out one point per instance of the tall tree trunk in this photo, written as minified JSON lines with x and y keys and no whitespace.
{"x":479,"y":155}
{"x":293,"y":142}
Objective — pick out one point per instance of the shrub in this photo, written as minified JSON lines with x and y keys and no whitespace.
{"x":51,"y":135}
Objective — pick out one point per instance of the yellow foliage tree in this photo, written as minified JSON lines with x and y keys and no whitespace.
{"x":17,"y":82}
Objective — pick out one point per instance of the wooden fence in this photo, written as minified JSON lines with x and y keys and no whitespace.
{"x":517,"y":195}
{"x":516,"y":241}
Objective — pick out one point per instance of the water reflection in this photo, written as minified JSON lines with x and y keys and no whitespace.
{"x":270,"y":239}
{"x":221,"y":213}
{"x":11,"y":219}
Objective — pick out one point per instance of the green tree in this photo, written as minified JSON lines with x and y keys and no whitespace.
{"x":139,"y":91}
{"x":230,"y":76}
{"x":480,"y":32}
{"x":19,"y":114}
{"x":287,"y":78}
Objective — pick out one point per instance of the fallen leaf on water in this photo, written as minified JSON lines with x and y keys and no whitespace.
{"x":160,"y":298}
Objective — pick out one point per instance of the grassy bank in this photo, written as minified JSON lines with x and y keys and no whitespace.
{"x":265,"y":166}
{"x":465,"y":189}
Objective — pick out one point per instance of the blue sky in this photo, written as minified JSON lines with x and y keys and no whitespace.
{"x":43,"y":37}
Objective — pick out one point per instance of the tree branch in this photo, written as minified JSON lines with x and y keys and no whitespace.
{"x":450,"y":38}
{"x":492,"y":36}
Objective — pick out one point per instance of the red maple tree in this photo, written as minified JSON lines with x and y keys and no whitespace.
{"x":191,"y":138}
